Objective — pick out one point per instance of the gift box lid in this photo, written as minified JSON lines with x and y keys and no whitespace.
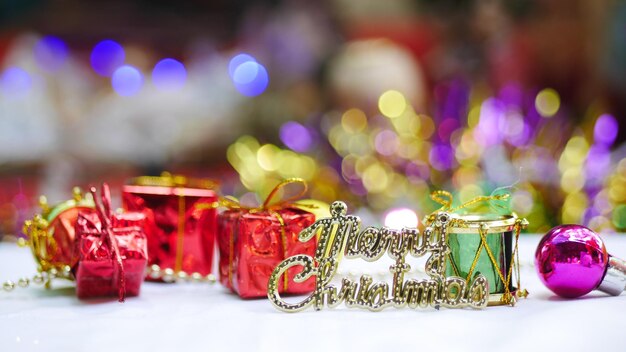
{"x":287,"y":213}
{"x":168,"y":184}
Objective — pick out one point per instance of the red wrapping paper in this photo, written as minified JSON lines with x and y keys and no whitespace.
{"x":111,"y":257}
{"x":180,"y":225}
{"x":61,"y":251}
{"x":251,"y":246}
{"x":51,"y":234}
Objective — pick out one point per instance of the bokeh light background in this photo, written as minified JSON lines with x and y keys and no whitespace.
{"x":377,"y":103}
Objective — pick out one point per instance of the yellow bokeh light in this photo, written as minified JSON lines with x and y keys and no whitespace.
{"x":522,"y":202}
{"x":573,"y":208}
{"x":392,"y":103}
{"x":574,"y":153}
{"x":469,"y":192}
{"x":348,"y":169}
{"x":414,"y":125}
{"x":359,"y":144}
{"x":467,"y":175}
{"x":409,"y":148}
{"x":402,"y":124}
{"x":375,"y":178}
{"x":573,"y":180}
{"x":427,"y":126}
{"x":473,"y":116}
{"x":363,"y":163}
{"x":267,"y":157}
{"x":325,"y":193}
{"x":338,"y":138}
{"x":617,"y":192}
{"x":547,"y":102}
{"x":354,"y":121}
{"x":399,"y":187}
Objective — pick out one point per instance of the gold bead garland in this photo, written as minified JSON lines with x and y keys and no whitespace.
{"x":170,"y":275}
{"x":42,"y":278}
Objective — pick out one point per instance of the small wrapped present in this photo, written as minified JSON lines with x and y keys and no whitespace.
{"x":253,"y":241}
{"x":51,"y":234}
{"x":482,"y":236}
{"x":181,"y":220}
{"x":51,"y":237}
{"x":112,"y":251}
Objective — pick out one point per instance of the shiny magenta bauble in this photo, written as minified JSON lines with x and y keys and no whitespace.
{"x":571,"y":260}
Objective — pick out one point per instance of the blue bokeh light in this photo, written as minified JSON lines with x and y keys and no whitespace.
{"x":238,"y":60}
{"x":15,"y":82}
{"x":169,"y":75}
{"x":106,"y":57}
{"x":127,"y":81}
{"x":50,"y":53}
{"x":249,"y":77}
{"x":246,"y":73}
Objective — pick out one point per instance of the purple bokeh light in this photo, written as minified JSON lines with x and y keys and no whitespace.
{"x":357,"y":188}
{"x":511,"y":95}
{"x":169,"y":75}
{"x":446,"y":128}
{"x":50,"y":53}
{"x":296,"y":136}
{"x":106,"y":57}
{"x":452,"y":99}
{"x":605,"y":130}
{"x":386,"y":142}
{"x":492,"y":116}
{"x":441,"y":157}
{"x":598,"y":164}
{"x":417,"y":171}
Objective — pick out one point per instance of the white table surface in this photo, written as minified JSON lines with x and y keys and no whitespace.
{"x":190,"y":317}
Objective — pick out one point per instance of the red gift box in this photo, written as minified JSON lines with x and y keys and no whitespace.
{"x":181,"y":220}
{"x":252,"y":242}
{"x":112,"y":252}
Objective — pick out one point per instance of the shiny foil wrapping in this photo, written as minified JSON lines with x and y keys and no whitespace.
{"x":61,"y":251}
{"x":180,"y":224}
{"x":97,"y":274}
{"x":51,"y":235}
{"x":463,"y":249}
{"x":252,"y":244}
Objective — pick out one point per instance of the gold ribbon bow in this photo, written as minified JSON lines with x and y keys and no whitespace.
{"x":445,"y":199}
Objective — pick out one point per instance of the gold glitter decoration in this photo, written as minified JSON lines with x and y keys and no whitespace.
{"x":341,"y":234}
